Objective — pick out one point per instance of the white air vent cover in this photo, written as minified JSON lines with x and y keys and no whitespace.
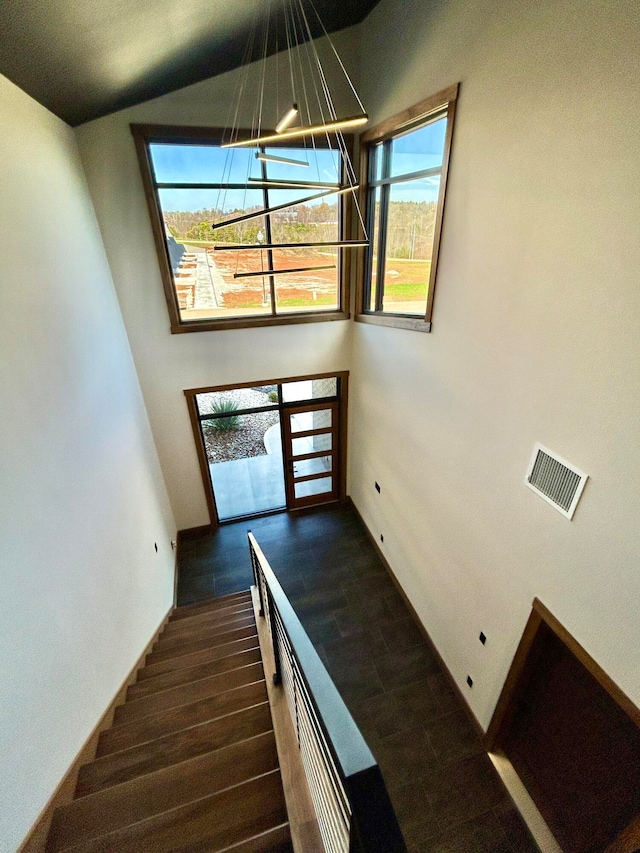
{"x":557,"y":482}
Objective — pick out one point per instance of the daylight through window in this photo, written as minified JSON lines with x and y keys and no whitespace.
{"x":286,"y":198}
{"x":406,"y":159}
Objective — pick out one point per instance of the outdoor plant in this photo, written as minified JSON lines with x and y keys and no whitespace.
{"x":222,"y":407}
{"x":273,"y":396}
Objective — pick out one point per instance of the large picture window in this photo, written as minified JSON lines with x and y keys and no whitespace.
{"x":194,"y":186}
{"x":405,"y":161}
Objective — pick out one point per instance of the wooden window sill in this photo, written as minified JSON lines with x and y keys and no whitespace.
{"x":252,"y":322}
{"x":396,"y":321}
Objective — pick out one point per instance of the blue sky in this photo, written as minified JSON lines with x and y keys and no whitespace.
{"x":419,"y":149}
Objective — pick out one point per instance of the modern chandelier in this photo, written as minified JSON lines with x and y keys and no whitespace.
{"x":288,"y":93}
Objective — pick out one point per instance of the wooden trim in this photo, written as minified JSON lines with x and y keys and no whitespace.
{"x":144,"y":134}
{"x":506,"y":705}
{"x":445,"y":669}
{"x":283,"y":381}
{"x":417,"y":324}
{"x":340,"y":490}
{"x":343,"y":417}
{"x":437,"y":233}
{"x":146,"y":170}
{"x":202,"y":460}
{"x":444,"y":101}
{"x":412,"y":115}
{"x":36,"y":839}
{"x":540,"y":618}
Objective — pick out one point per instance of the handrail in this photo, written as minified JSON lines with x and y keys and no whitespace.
{"x":347,"y":788}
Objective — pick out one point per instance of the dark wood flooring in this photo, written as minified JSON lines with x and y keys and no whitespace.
{"x":446,"y":792}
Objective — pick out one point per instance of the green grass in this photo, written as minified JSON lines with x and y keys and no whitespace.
{"x":409,"y":291}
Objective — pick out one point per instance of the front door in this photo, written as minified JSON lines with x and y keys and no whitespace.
{"x":310,"y":441}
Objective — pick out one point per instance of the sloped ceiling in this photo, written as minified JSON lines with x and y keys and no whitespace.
{"x":83,"y":59}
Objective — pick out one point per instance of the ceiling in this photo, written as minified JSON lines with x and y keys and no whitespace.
{"x":85,"y":58}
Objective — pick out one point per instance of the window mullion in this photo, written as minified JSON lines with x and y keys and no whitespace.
{"x":385,"y":192}
{"x":268,"y":238}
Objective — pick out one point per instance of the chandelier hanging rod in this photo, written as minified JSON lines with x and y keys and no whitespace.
{"x":325,"y":127}
{"x":264,"y":273}
{"x":268,"y":210}
{"x":339,"y":244}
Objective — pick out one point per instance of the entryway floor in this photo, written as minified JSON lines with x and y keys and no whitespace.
{"x":446,"y":792}
{"x":248,"y":486}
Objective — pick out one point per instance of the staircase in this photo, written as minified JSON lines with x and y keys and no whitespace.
{"x":190,"y":762}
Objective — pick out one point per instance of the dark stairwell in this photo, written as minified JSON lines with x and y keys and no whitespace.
{"x":446,"y":793}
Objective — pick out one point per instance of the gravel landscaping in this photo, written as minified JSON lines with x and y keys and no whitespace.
{"x":247,"y":437}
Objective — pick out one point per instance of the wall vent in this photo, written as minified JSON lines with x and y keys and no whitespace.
{"x":556,"y":481}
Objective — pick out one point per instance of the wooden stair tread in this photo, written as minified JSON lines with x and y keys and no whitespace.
{"x":145,"y":797}
{"x":192,"y":673}
{"x":185,"y":694}
{"x":173,"y":748}
{"x":199,"y":645}
{"x":152,"y":670}
{"x":219,"y":820}
{"x":207,"y":618}
{"x":163,"y":723}
{"x":201,"y":632}
{"x":187,"y":610}
{"x":276,"y":840}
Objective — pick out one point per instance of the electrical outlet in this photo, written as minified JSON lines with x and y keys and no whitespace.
{"x":378,"y":488}
{"x":174,"y":544}
{"x":483,"y":638}
{"x":470,"y":681}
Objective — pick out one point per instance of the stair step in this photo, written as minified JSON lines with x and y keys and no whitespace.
{"x":276,"y":840}
{"x":198,"y":645}
{"x":172,"y":749}
{"x":130,"y":802}
{"x":196,"y":658}
{"x":212,"y":823}
{"x":185,"y":694}
{"x":192,"y":673}
{"x":188,"y":610}
{"x":146,"y":729}
{"x":203,"y":632}
{"x":182,"y":626}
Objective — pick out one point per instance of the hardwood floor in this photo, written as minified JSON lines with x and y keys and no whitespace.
{"x":444,"y":788}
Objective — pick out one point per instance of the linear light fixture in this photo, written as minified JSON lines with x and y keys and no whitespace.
{"x":326,"y":127}
{"x":278,"y":207}
{"x":339,"y":244}
{"x":286,"y":119}
{"x":264,"y":273}
{"x":271,"y":158}
{"x":300,"y":185}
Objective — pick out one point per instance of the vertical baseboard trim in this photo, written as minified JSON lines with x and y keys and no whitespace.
{"x":36,"y":839}
{"x":445,"y":669}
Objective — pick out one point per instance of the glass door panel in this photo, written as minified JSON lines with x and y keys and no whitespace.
{"x":310,"y":445}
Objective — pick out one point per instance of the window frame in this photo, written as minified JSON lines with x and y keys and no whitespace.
{"x":147,"y":134}
{"x":442,"y":104}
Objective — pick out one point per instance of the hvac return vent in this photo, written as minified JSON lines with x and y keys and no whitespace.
{"x":557,"y":482}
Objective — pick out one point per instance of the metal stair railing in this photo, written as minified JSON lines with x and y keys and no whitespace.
{"x":352,"y":805}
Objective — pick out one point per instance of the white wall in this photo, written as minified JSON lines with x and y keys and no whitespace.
{"x":535,"y":333}
{"x":82,"y":499}
{"x":168,"y":364}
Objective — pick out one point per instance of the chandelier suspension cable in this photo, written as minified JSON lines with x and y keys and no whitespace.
{"x":294,"y":12}
{"x":350,"y":173}
{"x":351,"y":176}
{"x":337,"y":56}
